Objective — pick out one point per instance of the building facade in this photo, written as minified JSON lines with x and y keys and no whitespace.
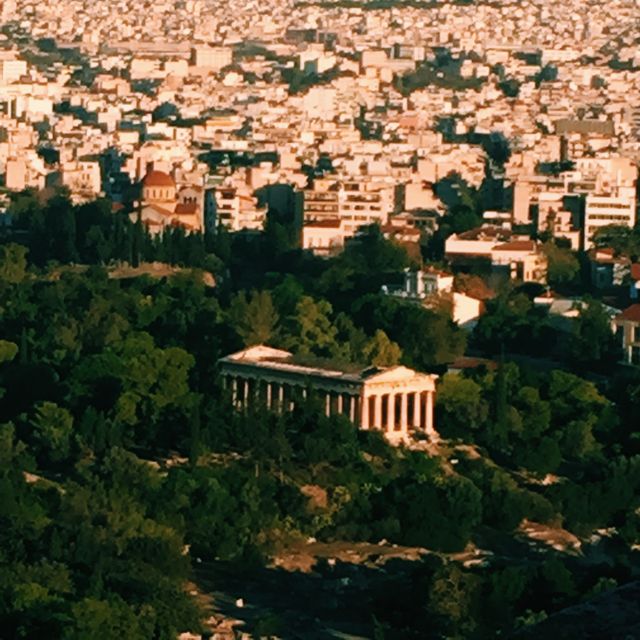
{"x":164,"y":205}
{"x":394,"y":400}
{"x":602,"y":211}
{"x":628,"y":332}
{"x":356,"y":202}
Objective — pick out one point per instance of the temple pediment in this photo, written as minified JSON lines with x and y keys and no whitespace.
{"x":392,"y":374}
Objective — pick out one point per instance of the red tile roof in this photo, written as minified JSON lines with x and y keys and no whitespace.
{"x":186,"y":208}
{"x":631,"y":313}
{"x":158,"y":179}
{"x":516,"y":245}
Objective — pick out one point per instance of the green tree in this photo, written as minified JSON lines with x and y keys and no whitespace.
{"x":461,"y":407}
{"x":255,"y":318}
{"x":623,"y":240}
{"x":13,"y":263}
{"x":53,"y":431}
{"x":8,"y":351}
{"x":312,"y":332}
{"x":562,"y":265}
{"x":592,"y":343}
{"x":382,"y":352}
{"x":60,"y":226}
{"x":453,"y":601}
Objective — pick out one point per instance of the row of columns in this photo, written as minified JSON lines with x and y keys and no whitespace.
{"x":393,"y":412}
{"x":398,"y":411}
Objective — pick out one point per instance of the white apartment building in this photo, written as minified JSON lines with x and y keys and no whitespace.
{"x":608,"y":186}
{"x":432,"y":288}
{"x":601,"y":211}
{"x":518,"y":257}
{"x":82,"y":178}
{"x":237,"y":209}
{"x":11,"y":68}
{"x":323,"y":237}
{"x":521,"y":260}
{"x":355,"y":202}
{"x":213,"y":58}
{"x":424,"y":282}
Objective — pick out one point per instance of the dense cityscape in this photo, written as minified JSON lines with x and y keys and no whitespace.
{"x":319,"y":319}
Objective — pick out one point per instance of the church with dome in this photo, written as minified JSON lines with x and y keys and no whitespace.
{"x":163,"y":204}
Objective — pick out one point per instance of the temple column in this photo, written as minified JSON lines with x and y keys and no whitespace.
{"x":364,"y":422}
{"x":340,"y":404}
{"x":291,"y":395}
{"x":404,"y":404}
{"x":352,"y":408}
{"x":269,"y":395}
{"x":417,"y":412}
{"x":234,"y":391}
{"x":280,"y":397}
{"x":377,"y":412}
{"x":245,"y":394}
{"x":430,"y":431}
{"x":391,"y":412}
{"x":327,"y":405}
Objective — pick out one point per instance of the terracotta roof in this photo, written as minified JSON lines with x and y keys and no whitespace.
{"x":631,"y":313}
{"x":635,"y":271}
{"x":158,"y":179}
{"x":186,"y":208}
{"x":516,"y":245}
{"x":607,"y":256}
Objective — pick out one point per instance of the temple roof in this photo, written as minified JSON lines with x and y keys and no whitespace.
{"x":284,"y":361}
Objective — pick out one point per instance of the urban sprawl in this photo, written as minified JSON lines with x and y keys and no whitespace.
{"x":342,"y":114}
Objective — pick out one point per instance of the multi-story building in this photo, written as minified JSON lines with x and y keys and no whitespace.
{"x":434,"y":289}
{"x":600,"y":211}
{"x":419,"y":283}
{"x":520,"y":260}
{"x":515,"y":256}
{"x":11,"y":68}
{"x":323,"y":237}
{"x":628,"y":333}
{"x":82,"y":178}
{"x":575,"y":203}
{"x":213,"y":58}
{"x":238,"y":209}
{"x":354,"y":202}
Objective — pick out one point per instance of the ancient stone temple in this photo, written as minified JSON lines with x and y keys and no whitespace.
{"x":396,"y":400}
